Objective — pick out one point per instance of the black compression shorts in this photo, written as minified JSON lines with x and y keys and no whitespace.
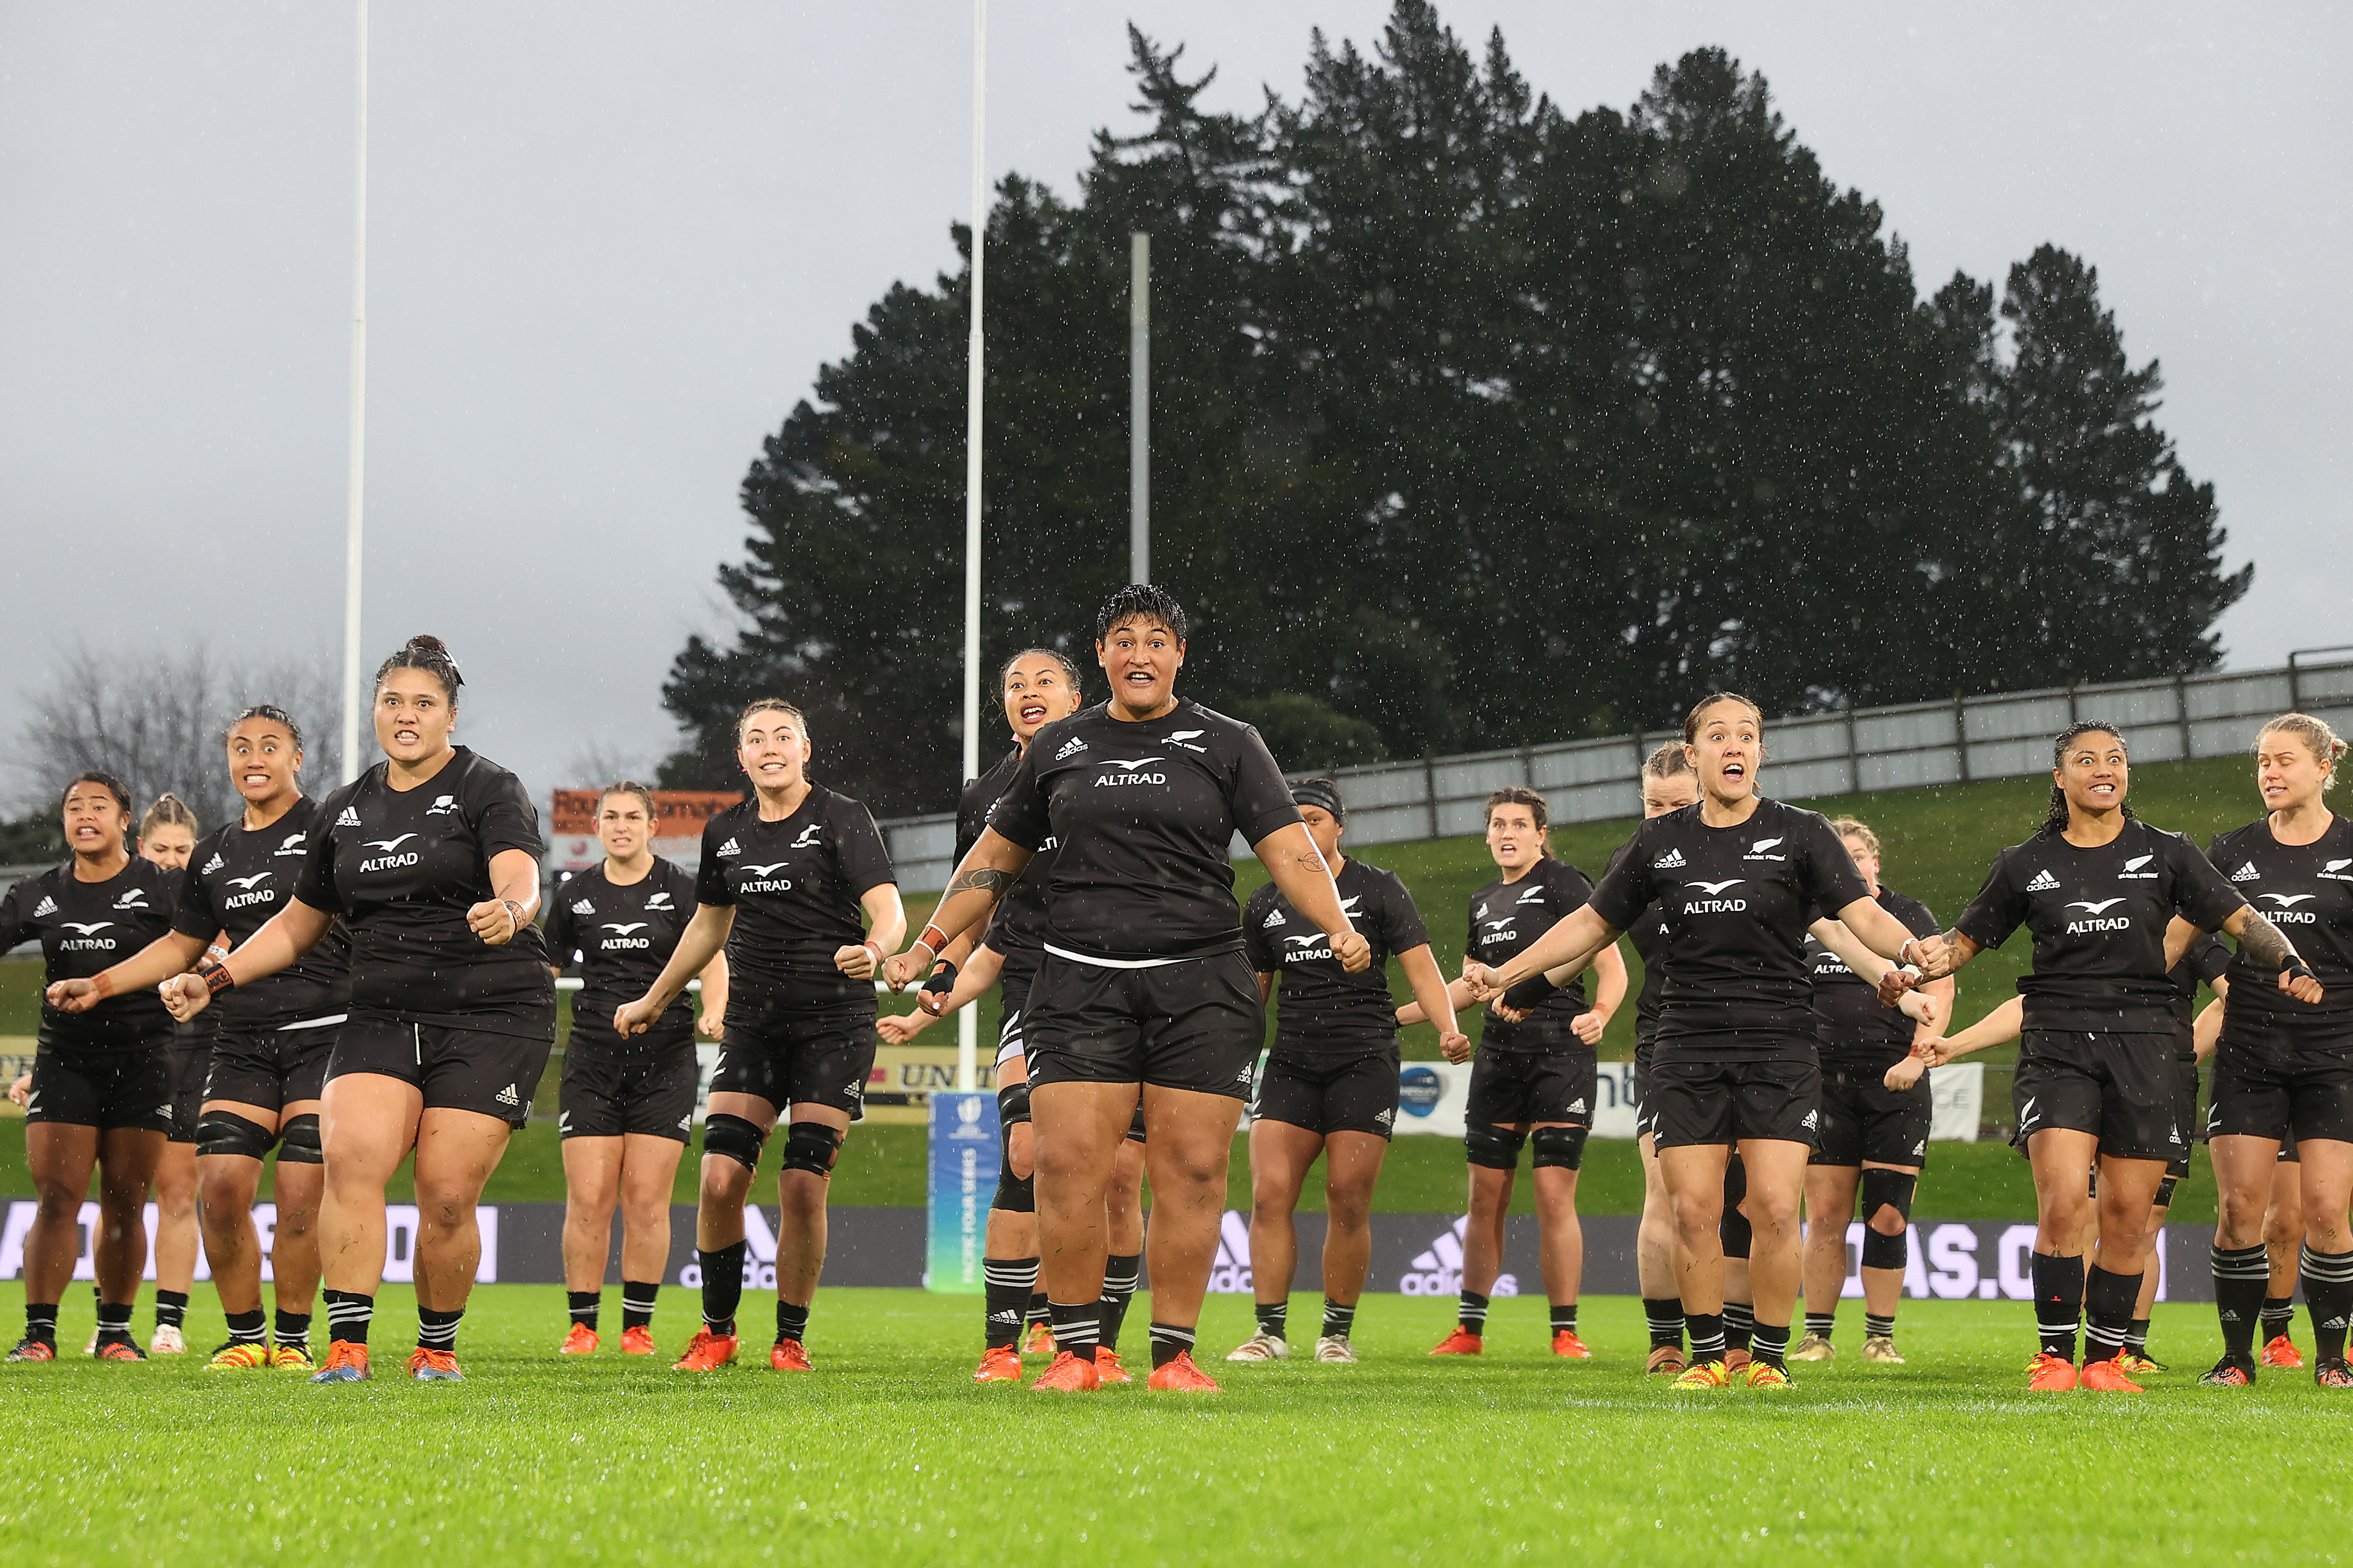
{"x":271,"y":1068}
{"x":1197,"y":1025}
{"x":1692,"y":1103}
{"x":188,"y":1062}
{"x":1642,"y":1118}
{"x":455,"y":1070}
{"x":1862,"y":1119}
{"x":1329,"y":1092}
{"x":611,"y":1094}
{"x":1514,"y":1087}
{"x":2288,"y":1095}
{"x":105,"y":1090}
{"x":2124,"y":1089}
{"x":823,"y":1058}
{"x":1010,"y":1042}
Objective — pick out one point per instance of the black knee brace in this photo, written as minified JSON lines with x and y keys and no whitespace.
{"x":2165,"y":1192}
{"x":1014,"y":1194}
{"x":1012,"y":1104}
{"x":226,"y":1133}
{"x":1886,"y":1189}
{"x":298,"y":1142}
{"x":735,"y":1137}
{"x":1563,"y":1148}
{"x":1494,"y":1148}
{"x":811,"y":1146}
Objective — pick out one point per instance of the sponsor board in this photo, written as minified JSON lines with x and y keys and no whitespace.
{"x":399,"y":1241}
{"x":900,"y":1088}
{"x":679,"y":817}
{"x":1431,"y":1098}
{"x":964,"y":1165}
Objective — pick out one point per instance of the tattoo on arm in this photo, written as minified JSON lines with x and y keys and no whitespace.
{"x":2263,"y":945}
{"x":987,"y":879}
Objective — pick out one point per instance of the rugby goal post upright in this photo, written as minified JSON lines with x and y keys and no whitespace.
{"x":356,"y":478}
{"x":968,"y":1021}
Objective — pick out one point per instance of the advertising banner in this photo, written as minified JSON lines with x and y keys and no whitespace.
{"x":399,"y":1241}
{"x":679,"y":817}
{"x":964,"y":1165}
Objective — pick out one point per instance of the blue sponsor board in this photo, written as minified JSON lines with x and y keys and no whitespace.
{"x":963,"y":1155}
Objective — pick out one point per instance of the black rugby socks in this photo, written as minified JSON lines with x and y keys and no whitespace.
{"x":246,"y":1327}
{"x":1006,"y":1284}
{"x":349,"y":1313}
{"x":1819,"y":1324}
{"x":2327,"y":1279}
{"x":792,"y":1323}
{"x":583,"y":1305}
{"x":2108,"y":1301}
{"x":437,"y":1331}
{"x":113,"y":1321}
{"x":722,"y":1286}
{"x":1770,"y":1343}
{"x":638,"y":1298}
{"x":1273,"y":1319}
{"x":171,"y":1309}
{"x":2058,"y":1303}
{"x":1739,"y":1325}
{"x":1122,"y":1271}
{"x":293,"y":1329}
{"x":41,"y":1321}
{"x":1664,"y":1315}
{"x":1338,"y":1320}
{"x":1168,"y":1342}
{"x":1473,"y":1314}
{"x":1564,"y":1316}
{"x":1706,"y":1335}
{"x":2240,"y":1274}
{"x":2279,"y":1312}
{"x":1076,"y":1328}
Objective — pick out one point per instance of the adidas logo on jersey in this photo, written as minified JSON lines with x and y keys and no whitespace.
{"x":508,"y":1096}
{"x":215,"y":863}
{"x":583,"y":907}
{"x":1671,"y":860}
{"x":2043,"y":882}
{"x":1576,"y":1107}
{"x":1387,"y":1118}
{"x":684,"y":1123}
{"x":1273,"y":919}
{"x":47,"y":906}
{"x":351,"y":818}
{"x":1920,"y":1149}
{"x":1070,"y":748}
{"x":731,"y":848}
{"x":2247,"y":873}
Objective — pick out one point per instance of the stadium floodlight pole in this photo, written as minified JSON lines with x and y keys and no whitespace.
{"x":1139,"y":408}
{"x":967,"y":1022}
{"x":354,"y":499}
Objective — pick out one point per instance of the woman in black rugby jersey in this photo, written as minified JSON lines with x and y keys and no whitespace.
{"x":1738,"y":880}
{"x":1534,"y":1078}
{"x":625,"y":1107}
{"x":2112,"y":903}
{"x":1668,"y":784}
{"x":167,"y":836}
{"x":1145,"y":993}
{"x":2284,"y":1068}
{"x":99,"y":1099}
{"x":431,"y":859}
{"x":795,"y":886}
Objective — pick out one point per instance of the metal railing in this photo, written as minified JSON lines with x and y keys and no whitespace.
{"x":1855,"y":752}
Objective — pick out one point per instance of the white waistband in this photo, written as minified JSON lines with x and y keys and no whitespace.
{"x":313,"y":1024}
{"x":1113,"y":963}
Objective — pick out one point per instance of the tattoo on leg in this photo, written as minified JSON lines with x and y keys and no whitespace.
{"x":2261,"y":944}
{"x":987,"y":879}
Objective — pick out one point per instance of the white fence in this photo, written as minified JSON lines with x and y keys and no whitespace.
{"x":2005,"y":736}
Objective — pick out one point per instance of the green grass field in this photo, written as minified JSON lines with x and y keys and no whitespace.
{"x":886,"y":1453}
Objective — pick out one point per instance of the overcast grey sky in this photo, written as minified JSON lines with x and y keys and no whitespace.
{"x":612,"y":242}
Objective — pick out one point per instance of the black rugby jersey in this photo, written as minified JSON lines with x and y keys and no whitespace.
{"x":84,"y":928}
{"x":235,"y":880}
{"x":1735,"y":902}
{"x":1321,"y":1006}
{"x":2306,"y":890}
{"x":402,"y":867}
{"x":1144,"y":814}
{"x":1017,"y":927}
{"x":617,"y":938}
{"x":1506,"y":918}
{"x":1648,"y":934}
{"x":2098,"y":917}
{"x":795,"y":886}
{"x":1850,"y":1025}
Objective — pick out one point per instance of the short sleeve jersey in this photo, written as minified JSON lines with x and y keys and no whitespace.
{"x":2306,"y":890}
{"x":2098,"y":917}
{"x":617,"y":938}
{"x":1506,"y":918}
{"x":795,"y":885}
{"x":1143,"y":814}
{"x":1648,"y":935}
{"x":402,"y":867}
{"x":236,"y":880}
{"x":86,"y":927}
{"x":1017,"y":930}
{"x":1321,"y":1007}
{"x":1735,"y":901}
{"x":1850,"y":1027}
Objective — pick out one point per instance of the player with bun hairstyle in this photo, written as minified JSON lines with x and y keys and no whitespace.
{"x":167,"y":836}
{"x":98,"y":1101}
{"x":626,"y":1107}
{"x":268,"y":1043}
{"x":1738,"y":880}
{"x":1145,"y":993}
{"x":2113,"y":904}
{"x":2284,"y":1069}
{"x":431,"y":859}
{"x":1329,"y":1087}
{"x":795,"y":886}
{"x":1534,"y":1075}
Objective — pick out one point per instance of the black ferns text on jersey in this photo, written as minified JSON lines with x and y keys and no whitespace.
{"x":1321,"y":1007}
{"x":402,"y":867}
{"x":1144,"y":814}
{"x":795,"y":886}
{"x":617,"y":937}
{"x":1737,"y":901}
{"x":236,"y":880}
{"x":2098,"y":918}
{"x":86,"y":927}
